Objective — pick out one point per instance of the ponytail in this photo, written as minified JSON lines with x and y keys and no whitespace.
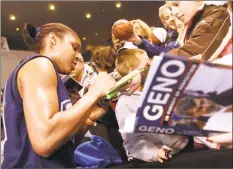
{"x":30,"y":36}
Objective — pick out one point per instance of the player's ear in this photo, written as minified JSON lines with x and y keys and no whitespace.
{"x":53,"y":38}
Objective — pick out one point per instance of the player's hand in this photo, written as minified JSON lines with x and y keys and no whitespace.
{"x":163,"y":154}
{"x":96,"y":113}
{"x":102,"y":84}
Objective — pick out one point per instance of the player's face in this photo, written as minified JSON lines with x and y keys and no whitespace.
{"x":204,"y":107}
{"x":67,"y":50}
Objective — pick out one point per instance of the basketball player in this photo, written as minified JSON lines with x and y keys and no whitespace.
{"x":39,"y":120}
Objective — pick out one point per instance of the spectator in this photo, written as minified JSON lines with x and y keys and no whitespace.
{"x":207,"y":26}
{"x":83,"y":74}
{"x":225,"y":49}
{"x":142,"y":29}
{"x":204,"y":33}
{"x":103,"y":59}
{"x":168,"y":20}
{"x":144,"y":146}
{"x":155,"y":49}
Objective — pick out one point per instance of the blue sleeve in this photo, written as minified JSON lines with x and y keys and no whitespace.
{"x":152,"y":50}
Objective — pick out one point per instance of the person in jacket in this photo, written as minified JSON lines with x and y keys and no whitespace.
{"x":207,"y":25}
{"x":223,"y":54}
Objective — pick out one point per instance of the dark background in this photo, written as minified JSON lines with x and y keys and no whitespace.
{"x":72,"y":14}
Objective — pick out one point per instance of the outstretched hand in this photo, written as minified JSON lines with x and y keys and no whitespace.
{"x":163,"y":154}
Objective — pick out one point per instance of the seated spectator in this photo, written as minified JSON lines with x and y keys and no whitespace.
{"x":175,"y":27}
{"x":144,"y":146}
{"x":83,"y":74}
{"x":103,"y":59}
{"x":168,"y":20}
{"x":155,"y":48}
{"x":142,"y":29}
{"x":207,"y":26}
{"x":225,"y":49}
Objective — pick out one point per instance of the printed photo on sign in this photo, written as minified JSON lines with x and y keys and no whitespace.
{"x":185,"y":97}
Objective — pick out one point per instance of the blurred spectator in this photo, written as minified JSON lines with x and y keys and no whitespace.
{"x":171,"y":41}
{"x":83,"y":75}
{"x":166,"y":17}
{"x":142,"y":29}
{"x":168,"y":20}
{"x":103,"y":59}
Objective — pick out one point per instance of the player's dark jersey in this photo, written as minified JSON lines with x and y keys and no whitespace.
{"x":18,"y":151}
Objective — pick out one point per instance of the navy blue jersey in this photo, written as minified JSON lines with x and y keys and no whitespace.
{"x":18,"y":151}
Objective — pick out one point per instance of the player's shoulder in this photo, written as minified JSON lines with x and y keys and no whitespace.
{"x":39,"y":67}
{"x":42,"y":64}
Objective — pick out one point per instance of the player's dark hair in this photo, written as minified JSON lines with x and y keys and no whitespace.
{"x":34,"y":36}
